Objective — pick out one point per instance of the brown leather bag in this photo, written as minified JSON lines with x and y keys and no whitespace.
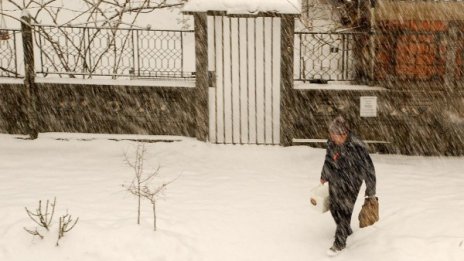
{"x":369,"y":213}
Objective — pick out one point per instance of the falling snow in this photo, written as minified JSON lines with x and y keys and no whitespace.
{"x":236,"y":110}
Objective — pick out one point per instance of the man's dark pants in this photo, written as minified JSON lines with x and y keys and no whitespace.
{"x":342,"y":211}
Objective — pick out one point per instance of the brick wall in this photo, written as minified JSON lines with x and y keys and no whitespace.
{"x":460,"y":53}
{"x":411,"y":50}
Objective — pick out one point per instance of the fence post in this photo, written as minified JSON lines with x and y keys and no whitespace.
{"x":201,"y":68}
{"x":287,"y":100}
{"x":362,"y":51}
{"x":451,"y":49}
{"x":372,"y":42}
{"x":29,"y":76}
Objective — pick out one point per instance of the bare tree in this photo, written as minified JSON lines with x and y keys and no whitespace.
{"x":140,"y":185}
{"x":34,"y":232}
{"x":96,"y":12}
{"x":137,"y":182}
{"x":347,"y":14}
{"x":150,"y":193}
{"x":317,"y":10}
{"x":66,"y":52}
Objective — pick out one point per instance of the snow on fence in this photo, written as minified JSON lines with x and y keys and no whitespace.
{"x":115,"y":52}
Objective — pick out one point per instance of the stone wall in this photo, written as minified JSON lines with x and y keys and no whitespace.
{"x":102,"y":109}
{"x":415,"y":118}
{"x":313,"y":110}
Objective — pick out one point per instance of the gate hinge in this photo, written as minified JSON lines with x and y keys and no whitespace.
{"x":212,"y":79}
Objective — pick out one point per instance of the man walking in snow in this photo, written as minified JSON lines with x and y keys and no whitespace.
{"x":347,"y":164}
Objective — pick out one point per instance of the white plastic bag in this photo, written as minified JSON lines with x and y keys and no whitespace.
{"x":320,"y":198}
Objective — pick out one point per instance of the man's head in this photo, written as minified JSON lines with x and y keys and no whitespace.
{"x":339,"y":130}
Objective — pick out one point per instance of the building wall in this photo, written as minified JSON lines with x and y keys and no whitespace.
{"x":421,"y":111}
{"x":419,"y":10}
{"x":414,"y":50}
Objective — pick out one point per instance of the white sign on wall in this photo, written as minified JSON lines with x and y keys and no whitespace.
{"x":368,"y":106}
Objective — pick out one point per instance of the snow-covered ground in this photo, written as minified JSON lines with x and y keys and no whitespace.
{"x":230,"y":203}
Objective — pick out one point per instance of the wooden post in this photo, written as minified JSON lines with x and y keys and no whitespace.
{"x":29,"y":76}
{"x":361,"y":50}
{"x":372,"y":47}
{"x":201,"y":65}
{"x":287,"y":100}
{"x":451,"y":50}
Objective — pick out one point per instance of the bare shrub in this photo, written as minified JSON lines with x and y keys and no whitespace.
{"x":65,"y":225}
{"x":42,"y":217}
{"x":34,"y":232}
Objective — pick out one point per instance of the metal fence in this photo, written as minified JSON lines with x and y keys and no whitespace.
{"x":323,"y":57}
{"x":8,"y":53}
{"x":397,"y":55}
{"x":133,"y":53}
{"x":141,"y":53}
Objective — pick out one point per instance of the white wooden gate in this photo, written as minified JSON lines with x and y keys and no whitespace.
{"x":244,"y":94}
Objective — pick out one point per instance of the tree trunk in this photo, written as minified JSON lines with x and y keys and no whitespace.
{"x":138,"y":207}
{"x":29,"y":77}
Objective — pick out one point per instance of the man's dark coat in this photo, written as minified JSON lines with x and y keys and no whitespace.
{"x":345,"y":168}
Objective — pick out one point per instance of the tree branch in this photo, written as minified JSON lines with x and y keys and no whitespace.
{"x":34,"y":232}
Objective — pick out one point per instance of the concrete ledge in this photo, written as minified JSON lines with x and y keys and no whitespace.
{"x":335,"y":86}
{"x":179,"y":83}
{"x":116,"y":137}
{"x":324,"y":141}
{"x":7,"y":80}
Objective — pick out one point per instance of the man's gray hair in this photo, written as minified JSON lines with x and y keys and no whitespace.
{"x":339,"y":126}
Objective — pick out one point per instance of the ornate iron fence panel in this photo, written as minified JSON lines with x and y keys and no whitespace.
{"x":163,"y":50}
{"x":95,"y":52}
{"x":322,"y":57}
{"x":8,"y":53}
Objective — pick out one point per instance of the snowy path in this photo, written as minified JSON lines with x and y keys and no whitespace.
{"x":231,"y":203}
